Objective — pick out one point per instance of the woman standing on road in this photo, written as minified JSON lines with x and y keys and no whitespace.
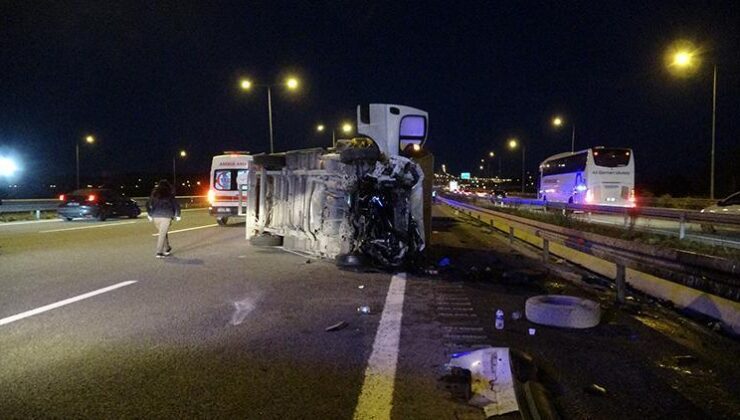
{"x":162,"y":207}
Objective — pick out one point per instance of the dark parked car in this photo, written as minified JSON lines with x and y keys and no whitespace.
{"x":97,"y":203}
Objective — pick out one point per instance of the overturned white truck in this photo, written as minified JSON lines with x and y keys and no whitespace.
{"x":365,"y":201}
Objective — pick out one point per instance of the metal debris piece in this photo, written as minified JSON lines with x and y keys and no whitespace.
{"x":685,"y":360}
{"x":336,"y":327}
{"x":458,"y":383}
{"x":595,"y":389}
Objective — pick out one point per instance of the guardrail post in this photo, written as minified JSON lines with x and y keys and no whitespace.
{"x":545,"y":250}
{"x":682,"y":226}
{"x":621,"y":284}
{"x":511,"y":235}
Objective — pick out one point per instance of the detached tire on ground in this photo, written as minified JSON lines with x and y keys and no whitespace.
{"x":266,"y":240}
{"x":563,"y":311}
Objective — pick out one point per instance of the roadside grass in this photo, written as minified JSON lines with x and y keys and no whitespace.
{"x":629,"y":234}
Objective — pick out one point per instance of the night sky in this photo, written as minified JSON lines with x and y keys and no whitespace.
{"x":150,"y":78}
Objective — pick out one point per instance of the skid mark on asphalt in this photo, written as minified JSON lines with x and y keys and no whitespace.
{"x":462,"y":327}
{"x":64,"y":302}
{"x":376,"y":398}
{"x":86,"y":227}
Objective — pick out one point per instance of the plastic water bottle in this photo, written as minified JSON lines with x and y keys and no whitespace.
{"x":499,"y":319}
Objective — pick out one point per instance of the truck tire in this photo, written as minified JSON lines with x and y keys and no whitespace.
{"x":222,"y":221}
{"x":266,"y":240}
{"x":270,"y":162}
{"x":563,"y":311}
{"x":353,"y":154}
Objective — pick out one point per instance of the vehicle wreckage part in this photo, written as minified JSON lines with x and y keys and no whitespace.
{"x":270,"y":162}
{"x":563,"y":311}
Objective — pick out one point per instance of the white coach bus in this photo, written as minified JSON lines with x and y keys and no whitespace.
{"x":600,"y":175}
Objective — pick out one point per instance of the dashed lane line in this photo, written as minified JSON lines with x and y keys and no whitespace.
{"x":64,"y":302}
{"x":187,"y":229}
{"x":86,"y":227}
{"x":376,"y":398}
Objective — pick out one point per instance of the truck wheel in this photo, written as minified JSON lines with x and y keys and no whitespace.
{"x":266,"y":240}
{"x":353,"y":154}
{"x":222,"y":221}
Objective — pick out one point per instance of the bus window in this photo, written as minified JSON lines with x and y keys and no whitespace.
{"x":575,"y":163}
{"x":611,"y":158}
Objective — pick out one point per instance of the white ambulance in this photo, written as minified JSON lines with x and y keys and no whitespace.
{"x":229,"y":173}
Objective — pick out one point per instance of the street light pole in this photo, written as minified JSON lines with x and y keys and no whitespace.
{"x":269,"y":116}
{"x":523,"y":164}
{"x":77,"y":156}
{"x":573,"y":139}
{"x":714,"y":119}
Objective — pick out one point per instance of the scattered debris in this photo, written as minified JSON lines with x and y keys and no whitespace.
{"x":595,"y":389}
{"x":532,"y":331}
{"x":499,"y":319}
{"x":563,"y":311}
{"x":492,"y":383}
{"x":458,"y":383}
{"x":516,"y":315}
{"x":364,"y":309}
{"x":362,"y":286}
{"x":444,"y":262}
{"x":432,"y":271}
{"x":336,"y":327}
{"x":308,"y":261}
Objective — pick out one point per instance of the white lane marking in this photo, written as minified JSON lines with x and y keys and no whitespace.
{"x":376,"y":398}
{"x":64,"y":302}
{"x":86,"y":227}
{"x":28,"y":222}
{"x":185,"y":230}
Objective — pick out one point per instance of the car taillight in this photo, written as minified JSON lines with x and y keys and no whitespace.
{"x":589,"y":196}
{"x":61,"y":197}
{"x":91,"y":197}
{"x":211,"y":196}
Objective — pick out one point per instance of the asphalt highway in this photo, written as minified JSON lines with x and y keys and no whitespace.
{"x":93,"y":326}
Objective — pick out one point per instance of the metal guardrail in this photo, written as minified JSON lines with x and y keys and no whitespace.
{"x":682,"y":217}
{"x":36,"y":206}
{"x":712,"y":275}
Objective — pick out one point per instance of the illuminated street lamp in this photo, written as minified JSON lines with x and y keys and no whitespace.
{"x":513,"y":144}
{"x":183,"y":154}
{"x":291,"y":83}
{"x":89,"y":140}
{"x":7,"y":167}
{"x":345,"y":127}
{"x":558,"y":122}
{"x":684,"y":59}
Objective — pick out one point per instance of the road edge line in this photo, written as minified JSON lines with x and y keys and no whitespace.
{"x":376,"y":397}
